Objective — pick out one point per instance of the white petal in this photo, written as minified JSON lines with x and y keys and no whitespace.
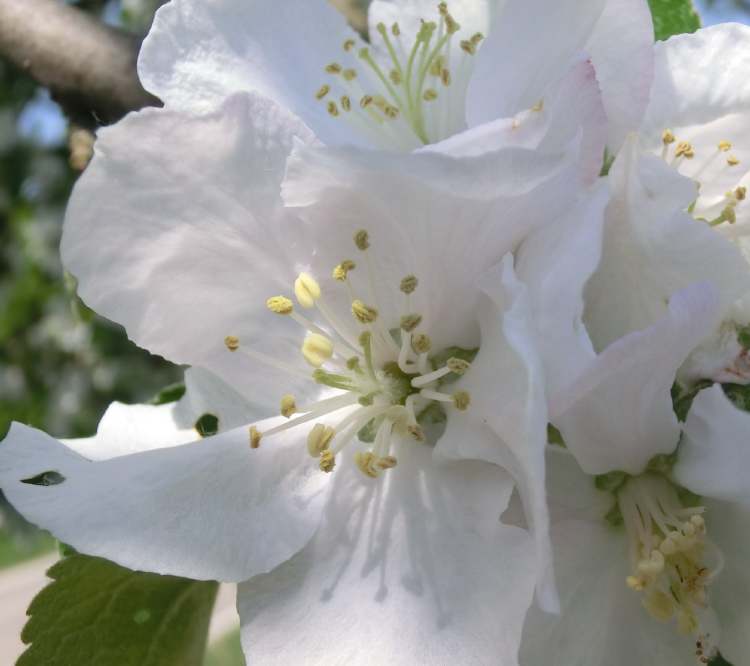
{"x":621,"y":49}
{"x":176,"y":231}
{"x":527,"y":50}
{"x":555,"y":263}
{"x":572,"y":112}
{"x":602,"y":620}
{"x":729,"y":526}
{"x":213,"y":509}
{"x":653,"y":248}
{"x":412,"y":568}
{"x":714,"y":454}
{"x":618,"y":414}
{"x":506,"y":384}
{"x":199,"y":52}
{"x":443,"y":219}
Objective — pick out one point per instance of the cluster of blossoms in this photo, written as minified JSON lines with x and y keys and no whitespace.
{"x":450,"y":362}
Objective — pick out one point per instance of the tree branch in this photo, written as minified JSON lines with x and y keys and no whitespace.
{"x":88,"y":67}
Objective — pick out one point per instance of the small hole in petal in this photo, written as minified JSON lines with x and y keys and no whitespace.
{"x":207,"y":425}
{"x":49,"y":478}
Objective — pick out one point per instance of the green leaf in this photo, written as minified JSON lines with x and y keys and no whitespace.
{"x":95,"y":612}
{"x":739,"y":395}
{"x":673,"y":17}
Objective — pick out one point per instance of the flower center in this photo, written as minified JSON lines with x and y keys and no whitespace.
{"x":680,"y":153}
{"x":403,"y":96}
{"x":668,"y":552}
{"x":386,"y":378}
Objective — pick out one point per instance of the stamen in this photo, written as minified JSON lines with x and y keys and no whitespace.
{"x":327,"y":461}
{"x":461,"y":400}
{"x":334,"y":68}
{"x":364,"y":314}
{"x":280,"y":305}
{"x":319,"y":439}
{"x":409,"y":284}
{"x":410,"y":322}
{"x":725,"y":146}
{"x":232,"y":343}
{"x":421,"y":343}
{"x":288,"y":405}
{"x":362,"y":240}
{"x":455,"y":365}
{"x":341,"y":272}
{"x":349,"y":44}
{"x":684,"y":149}
{"x":732,"y":161}
{"x":255,"y":437}
{"x":322,"y":91}
{"x":317,"y":349}
{"x":307,"y":290}
{"x":667,"y":137}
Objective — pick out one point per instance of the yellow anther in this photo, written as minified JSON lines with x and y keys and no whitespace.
{"x":362,"y":240}
{"x":538,"y":107}
{"x":468,"y":46}
{"x":349,"y":74}
{"x":232,"y":342}
{"x":443,"y":8}
{"x":458,"y":365}
{"x":353,"y":364}
{"x":280,"y":305}
{"x":364,"y":314}
{"x":341,"y":272}
{"x":421,"y":343}
{"x":732,"y":160}
{"x":380,"y":27}
{"x":410,"y":322}
{"x":740,"y":194}
{"x":477,"y":38}
{"x":668,"y":137}
{"x":437,"y":66}
{"x":322,"y":91}
{"x":327,"y":461}
{"x":288,"y":405}
{"x":307,"y":290}
{"x":388,"y":462}
{"x":255,"y":437}
{"x":445,"y":77}
{"x":395,"y":30}
{"x":461,"y":400}
{"x":416,"y":432}
{"x":333,"y":109}
{"x":391,"y":111}
{"x":395,"y":76}
{"x":451,"y":26}
{"x":346,"y":103}
{"x":349,"y":44}
{"x":725,"y":146}
{"x":365,"y":461}
{"x":430,"y":95}
{"x":319,"y":438}
{"x":409,"y":284}
{"x":635,"y":583}
{"x":317,"y":349}
{"x":334,"y":68}
{"x":366,"y":101}
{"x":684,"y":149}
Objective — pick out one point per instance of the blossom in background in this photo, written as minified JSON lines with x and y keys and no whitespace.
{"x":679,"y":213}
{"x":344,"y":288}
{"x":430,"y":71}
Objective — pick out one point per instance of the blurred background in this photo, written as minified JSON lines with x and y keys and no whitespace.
{"x":61,"y":365}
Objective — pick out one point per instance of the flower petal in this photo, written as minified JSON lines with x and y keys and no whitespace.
{"x":526,"y":51}
{"x":443,"y":219}
{"x":412,"y":568}
{"x":506,"y":384}
{"x":199,"y":52}
{"x":653,"y":248}
{"x":714,"y":455}
{"x":213,"y":509}
{"x":555,"y":263}
{"x":572,"y":112}
{"x":618,"y":414}
{"x":176,"y":231}
{"x":729,"y":526}
{"x":622,"y":51}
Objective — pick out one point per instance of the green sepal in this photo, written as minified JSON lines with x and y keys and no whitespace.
{"x":441,"y":358}
{"x":554,"y":436}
